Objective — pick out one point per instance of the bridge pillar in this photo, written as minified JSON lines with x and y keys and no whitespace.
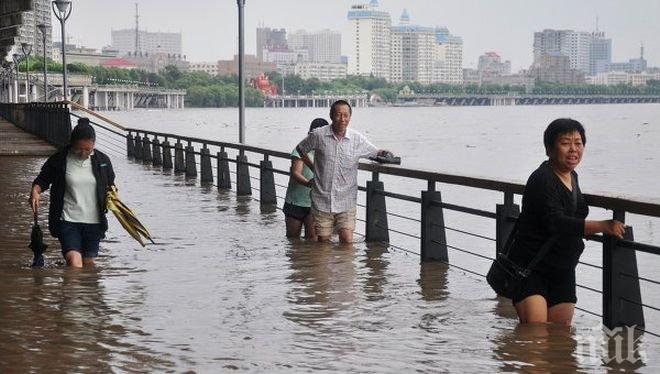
{"x":167,"y":155}
{"x":622,"y":298}
{"x":179,"y":163}
{"x":224,"y":176}
{"x":267,"y":194}
{"x":85,"y":97}
{"x":157,"y":159}
{"x":207,"y":169}
{"x":243,"y":185}
{"x":434,"y":237}
{"x":376,"y":216}
{"x":191,"y":162}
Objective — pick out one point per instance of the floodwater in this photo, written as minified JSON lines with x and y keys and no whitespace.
{"x":224,"y":290}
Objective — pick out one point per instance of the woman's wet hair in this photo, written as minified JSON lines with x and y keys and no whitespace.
{"x":560,"y":127}
{"x":83,"y":131}
{"x":333,"y":107}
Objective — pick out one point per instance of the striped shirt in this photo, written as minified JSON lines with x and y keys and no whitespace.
{"x":336,"y":167}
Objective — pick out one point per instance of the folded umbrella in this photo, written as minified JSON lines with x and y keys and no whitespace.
{"x":37,"y":244}
{"x":126,"y":217}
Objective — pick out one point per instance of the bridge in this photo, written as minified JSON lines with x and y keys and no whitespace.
{"x":437,"y":99}
{"x":21,"y":89}
{"x":313,"y":101}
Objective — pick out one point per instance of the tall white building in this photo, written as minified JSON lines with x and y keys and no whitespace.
{"x":412,"y":48}
{"x":447,"y":57}
{"x":148,"y":42}
{"x":29,"y":33}
{"x":601,"y":53}
{"x":370,"y":40}
{"x":321,"y":46}
{"x":577,"y":45}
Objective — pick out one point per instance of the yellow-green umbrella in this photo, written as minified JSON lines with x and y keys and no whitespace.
{"x":126,"y":217}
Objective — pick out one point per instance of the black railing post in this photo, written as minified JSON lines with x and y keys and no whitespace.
{"x":224,"y":176}
{"x":620,"y":282}
{"x":138,"y":146}
{"x":191,"y":162}
{"x":506,"y":214}
{"x":157,"y":159}
{"x":167,"y":155}
{"x":146,"y":150}
{"x":207,"y":169}
{"x":377,"y":229}
{"x":130,"y":145}
{"x":179,"y":163}
{"x":434,"y":237}
{"x":243,"y":186}
{"x":267,"y":195}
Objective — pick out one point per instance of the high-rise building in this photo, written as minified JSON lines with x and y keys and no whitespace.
{"x":601,"y":53}
{"x":370,"y":40}
{"x":322,"y":46}
{"x":491,"y":65}
{"x":148,"y":42}
{"x":555,"y":68}
{"x":29,"y":33}
{"x":576,"y":45}
{"x":447,"y":57}
{"x":412,"y":52}
{"x":270,"y":38}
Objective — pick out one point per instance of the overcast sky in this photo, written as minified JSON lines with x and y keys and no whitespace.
{"x":505,"y":26}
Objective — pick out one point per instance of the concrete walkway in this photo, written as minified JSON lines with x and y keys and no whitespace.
{"x":16,"y":142}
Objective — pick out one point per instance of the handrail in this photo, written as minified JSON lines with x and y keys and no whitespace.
{"x":241,"y":147}
{"x":90,"y":112}
{"x":600,"y":201}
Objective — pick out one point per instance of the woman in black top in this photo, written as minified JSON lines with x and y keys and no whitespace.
{"x":553,"y":208}
{"x":79,"y":176}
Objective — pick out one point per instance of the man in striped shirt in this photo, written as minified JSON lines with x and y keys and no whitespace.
{"x":337,"y":151}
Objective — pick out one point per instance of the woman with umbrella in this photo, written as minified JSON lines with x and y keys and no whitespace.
{"x":79,"y":177}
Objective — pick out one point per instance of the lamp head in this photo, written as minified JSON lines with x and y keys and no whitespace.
{"x":62,"y":5}
{"x":43,"y":28}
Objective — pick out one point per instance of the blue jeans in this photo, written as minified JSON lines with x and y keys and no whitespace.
{"x":81,"y":237}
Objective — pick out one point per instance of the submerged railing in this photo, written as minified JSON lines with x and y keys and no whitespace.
{"x":622,"y":303}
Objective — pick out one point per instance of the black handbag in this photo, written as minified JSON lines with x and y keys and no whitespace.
{"x":505,"y":277}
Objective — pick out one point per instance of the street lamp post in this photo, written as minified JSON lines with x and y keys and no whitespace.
{"x":17,"y":60}
{"x":27,"y":49}
{"x":241,"y":78}
{"x":44,"y":29}
{"x":62,"y":10}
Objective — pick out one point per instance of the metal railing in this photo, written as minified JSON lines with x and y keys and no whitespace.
{"x":49,"y":121}
{"x":209,"y":162}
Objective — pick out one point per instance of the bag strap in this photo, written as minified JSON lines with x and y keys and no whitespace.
{"x":574,"y":193}
{"x":545,"y":248}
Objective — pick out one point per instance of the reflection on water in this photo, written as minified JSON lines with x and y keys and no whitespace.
{"x":224,"y":289}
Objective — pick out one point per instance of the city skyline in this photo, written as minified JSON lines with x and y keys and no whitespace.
{"x":475,"y":20}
